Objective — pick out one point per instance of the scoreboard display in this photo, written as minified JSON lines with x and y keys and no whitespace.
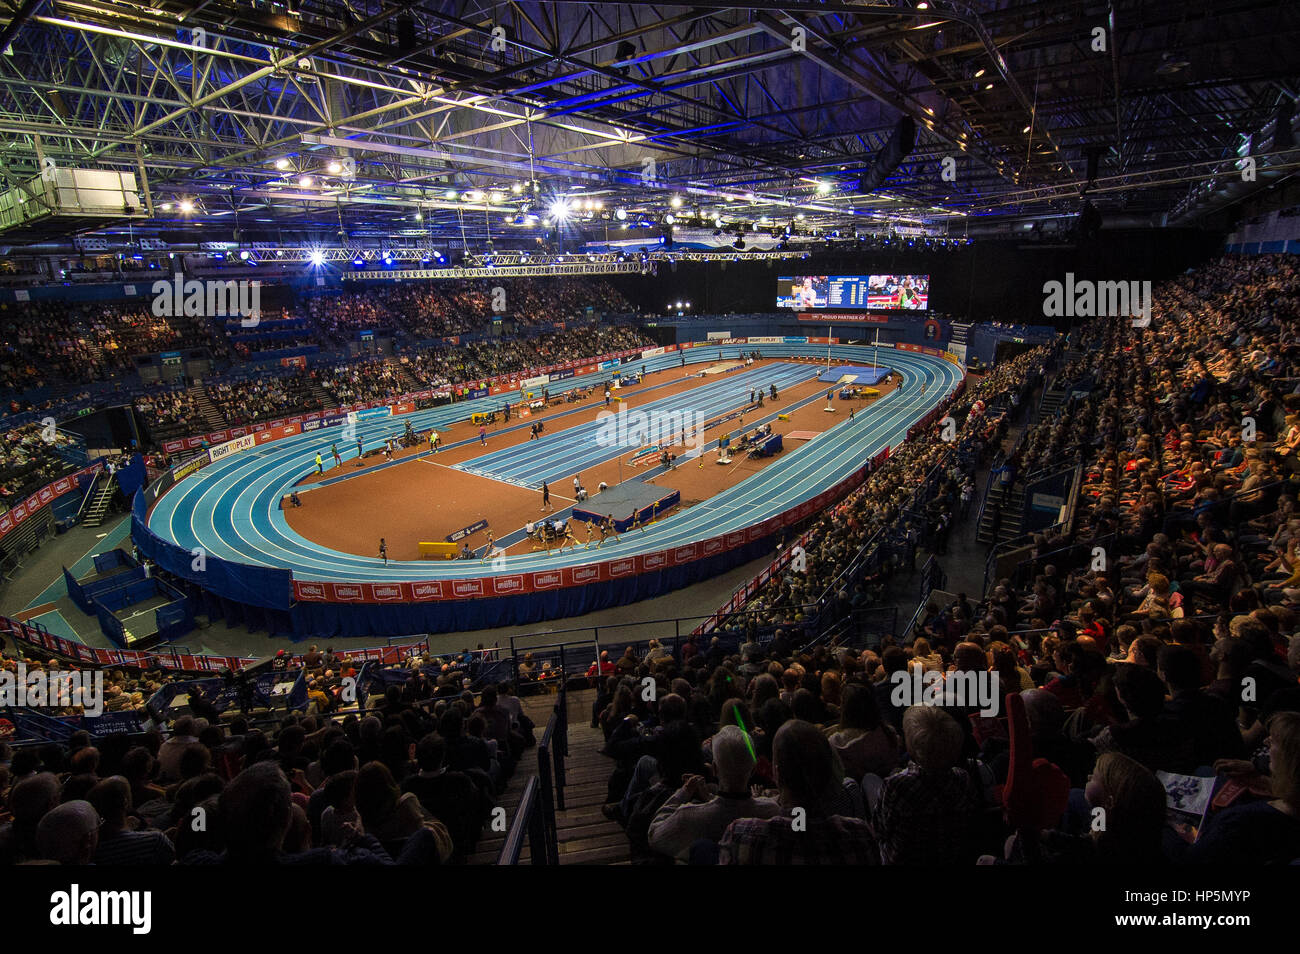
{"x":910,"y":292}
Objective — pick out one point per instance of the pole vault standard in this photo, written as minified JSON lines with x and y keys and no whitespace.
{"x":875,"y":350}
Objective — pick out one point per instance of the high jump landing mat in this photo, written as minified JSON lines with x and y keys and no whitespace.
{"x":854,"y":374}
{"x":625,"y":502}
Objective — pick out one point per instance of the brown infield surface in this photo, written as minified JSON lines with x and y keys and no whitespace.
{"x":424,"y":499}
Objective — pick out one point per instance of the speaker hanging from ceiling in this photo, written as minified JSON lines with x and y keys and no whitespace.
{"x":625,"y":51}
{"x":1093,"y":155}
{"x":1089,"y":222}
{"x":898,"y":148}
{"x":1283,"y":137}
{"x":406,"y":38}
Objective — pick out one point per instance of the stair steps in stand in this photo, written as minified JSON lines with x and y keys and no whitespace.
{"x":99,"y":504}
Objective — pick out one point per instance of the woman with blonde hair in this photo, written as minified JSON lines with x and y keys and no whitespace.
{"x":1133,"y":802}
{"x":922,"y":653}
{"x":1160,"y":599}
{"x":1259,"y":832}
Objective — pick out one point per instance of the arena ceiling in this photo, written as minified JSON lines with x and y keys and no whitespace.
{"x":457,"y":121}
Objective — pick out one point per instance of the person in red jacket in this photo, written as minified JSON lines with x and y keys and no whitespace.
{"x":606,"y":667}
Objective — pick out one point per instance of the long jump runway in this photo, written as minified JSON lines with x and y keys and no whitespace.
{"x":578,"y":448}
{"x":232,"y":509}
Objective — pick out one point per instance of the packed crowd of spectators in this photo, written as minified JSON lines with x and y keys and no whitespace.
{"x":445,"y":309}
{"x":411,"y":778}
{"x":28,"y":461}
{"x":250,"y":401}
{"x":884,"y":510}
{"x":1157,"y":636}
{"x":49,"y":342}
{"x":377,"y":379}
{"x":51,"y":345}
{"x":370,"y":380}
{"x":340,"y":317}
{"x":1155,"y":639}
{"x":169,"y":411}
{"x":772,"y":755}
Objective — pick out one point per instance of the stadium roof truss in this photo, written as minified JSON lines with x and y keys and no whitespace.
{"x":493,"y":124}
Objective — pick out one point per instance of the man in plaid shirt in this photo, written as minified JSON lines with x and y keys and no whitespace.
{"x":803,"y":834}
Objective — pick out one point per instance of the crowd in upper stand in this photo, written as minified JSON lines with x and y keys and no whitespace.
{"x":48,"y":342}
{"x":456,"y":307}
{"x":378,"y":379}
{"x":47,"y":349}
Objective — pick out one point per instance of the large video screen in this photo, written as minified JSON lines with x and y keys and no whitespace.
{"x":911,"y":292}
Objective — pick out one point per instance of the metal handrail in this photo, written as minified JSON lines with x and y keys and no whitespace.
{"x":528,"y":823}
{"x":543,"y":795}
{"x":1052,"y":470}
{"x":998,"y":549}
